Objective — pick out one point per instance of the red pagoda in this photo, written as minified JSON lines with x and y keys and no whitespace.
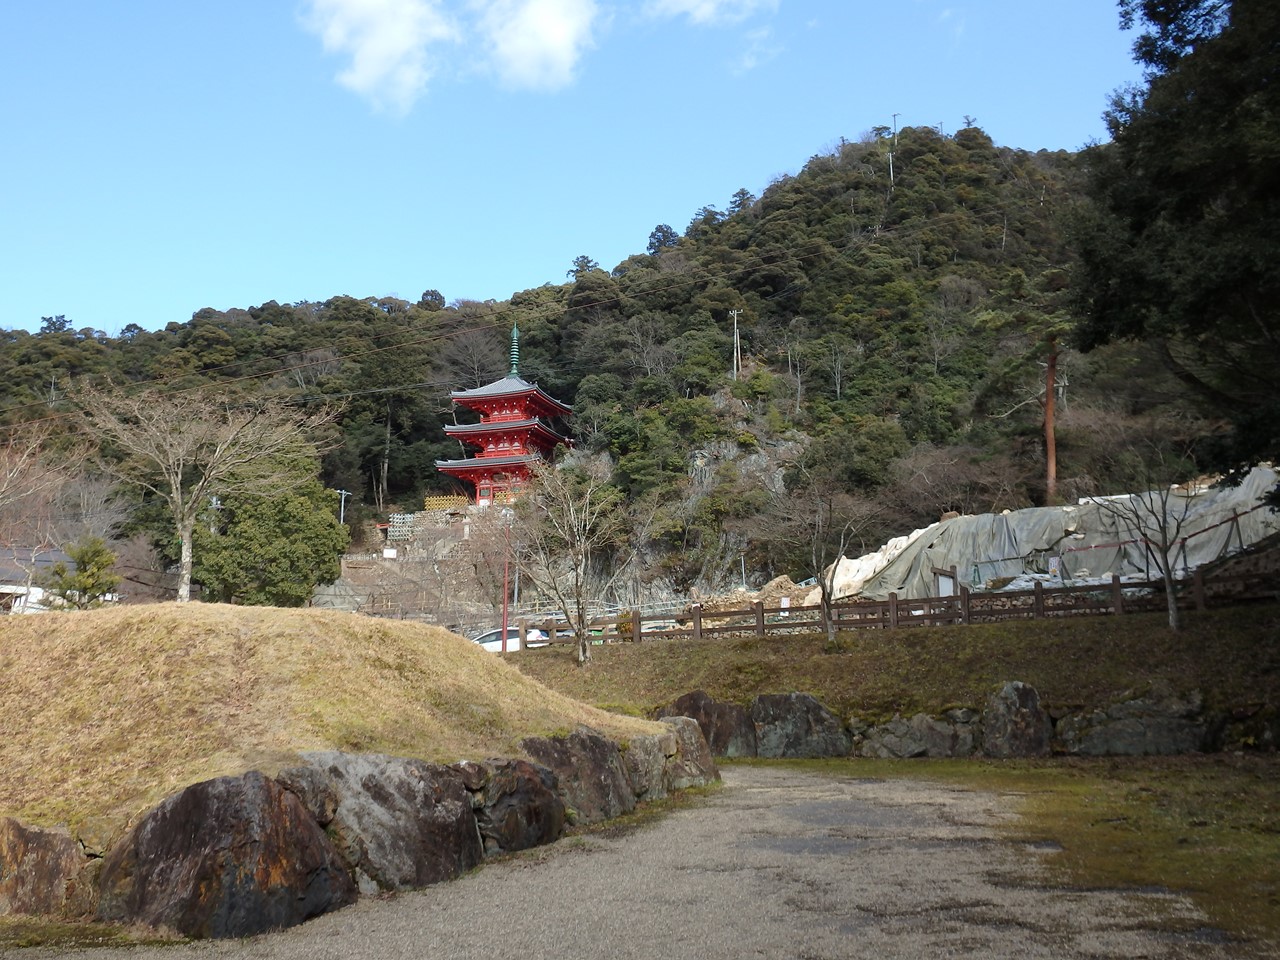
{"x":512,"y":432}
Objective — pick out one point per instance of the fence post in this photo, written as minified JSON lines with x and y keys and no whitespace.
{"x":636,"y":632}
{"x":964,"y":605}
{"x":696,"y":610}
{"x":1037,"y":603}
{"x":893,"y":611}
{"x":759,"y":608}
{"x":1197,"y":585}
{"x":1117,"y":597}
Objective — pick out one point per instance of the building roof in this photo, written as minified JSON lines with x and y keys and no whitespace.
{"x":18,"y":564}
{"x":511,"y":385}
{"x":466,"y":430}
{"x":475,"y":463}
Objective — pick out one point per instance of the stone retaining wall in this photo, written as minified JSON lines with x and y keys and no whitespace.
{"x":241,"y":855}
{"x":1012,"y":723}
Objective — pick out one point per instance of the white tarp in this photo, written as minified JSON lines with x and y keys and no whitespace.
{"x":1086,"y":541}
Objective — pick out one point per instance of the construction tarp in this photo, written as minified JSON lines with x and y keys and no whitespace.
{"x":1087,"y":541}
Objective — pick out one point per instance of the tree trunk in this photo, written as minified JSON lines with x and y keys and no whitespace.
{"x":1050,"y":436}
{"x":184,"y":562}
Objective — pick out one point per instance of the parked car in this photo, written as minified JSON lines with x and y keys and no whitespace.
{"x":491,"y":640}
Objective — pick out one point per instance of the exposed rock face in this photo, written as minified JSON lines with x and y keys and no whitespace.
{"x":399,"y":823}
{"x":593,"y":779}
{"x":647,"y":759}
{"x":797,"y":725}
{"x":727,"y":727}
{"x":952,"y":735}
{"x":691,"y":765}
{"x":224,"y":858}
{"x":515,"y":802}
{"x":1014,"y":724}
{"x":38,"y":868}
{"x":1137,"y":727}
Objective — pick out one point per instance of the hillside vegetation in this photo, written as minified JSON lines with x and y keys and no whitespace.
{"x":892,"y":332}
{"x":105,"y":712}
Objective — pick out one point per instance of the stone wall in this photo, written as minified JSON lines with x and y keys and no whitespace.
{"x":236,"y":856}
{"x":1012,"y":723}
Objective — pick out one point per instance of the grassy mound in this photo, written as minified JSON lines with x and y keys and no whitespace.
{"x":1232,"y":656}
{"x":106,"y":712}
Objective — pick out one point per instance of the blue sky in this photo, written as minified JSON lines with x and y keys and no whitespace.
{"x":159,"y":157}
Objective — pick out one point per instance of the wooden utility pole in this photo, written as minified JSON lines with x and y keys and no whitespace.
{"x":1050,"y":436}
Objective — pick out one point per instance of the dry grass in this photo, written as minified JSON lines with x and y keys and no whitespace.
{"x":1232,"y":656}
{"x":105,"y":712}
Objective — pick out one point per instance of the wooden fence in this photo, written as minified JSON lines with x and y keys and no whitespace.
{"x":965,"y":607}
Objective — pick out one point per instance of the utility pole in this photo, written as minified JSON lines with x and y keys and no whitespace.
{"x":737,"y":348}
{"x":342,"y":505}
{"x":895,"y":144}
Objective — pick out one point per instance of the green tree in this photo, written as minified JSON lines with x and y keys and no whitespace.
{"x":88,"y":580}
{"x":184,"y":448}
{"x":1181,"y":241}
{"x":271,"y":550}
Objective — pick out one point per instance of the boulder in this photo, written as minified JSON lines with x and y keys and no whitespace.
{"x":397,"y":822}
{"x":592,"y":777}
{"x":727,"y":727}
{"x":39,"y":868}
{"x":796,"y":725}
{"x":515,"y":803}
{"x":647,"y":759}
{"x":951,"y":735}
{"x":1014,"y":724}
{"x":691,"y":764}
{"x":1137,"y":727}
{"x":224,"y":858}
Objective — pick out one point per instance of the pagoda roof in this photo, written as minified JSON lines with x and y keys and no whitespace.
{"x":511,"y":385}
{"x":477,"y":463}
{"x":498,"y":426}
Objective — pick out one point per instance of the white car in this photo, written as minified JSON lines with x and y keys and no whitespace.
{"x":491,"y":640}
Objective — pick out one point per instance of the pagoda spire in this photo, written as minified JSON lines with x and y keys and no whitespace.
{"x":515,"y":351}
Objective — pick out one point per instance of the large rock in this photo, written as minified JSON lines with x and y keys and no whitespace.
{"x":224,"y":858}
{"x":399,"y":823}
{"x":727,"y":727}
{"x":951,"y":735}
{"x":1014,"y":724}
{"x":648,"y":760}
{"x":515,"y":803}
{"x":1137,"y":727}
{"x":691,"y":765}
{"x":39,"y":868}
{"x":797,"y":725}
{"x":592,"y":776}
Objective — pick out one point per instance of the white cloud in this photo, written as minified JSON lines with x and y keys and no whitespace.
{"x":760,"y":49}
{"x":387,"y":42}
{"x":536,"y":43}
{"x":711,"y":11}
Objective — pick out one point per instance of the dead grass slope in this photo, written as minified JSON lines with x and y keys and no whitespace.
{"x":1231,"y":656}
{"x":105,"y":712}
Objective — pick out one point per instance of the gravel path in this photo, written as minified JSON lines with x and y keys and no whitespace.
{"x":779,"y":865}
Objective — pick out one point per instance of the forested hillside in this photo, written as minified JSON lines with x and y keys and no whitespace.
{"x":897,"y":303}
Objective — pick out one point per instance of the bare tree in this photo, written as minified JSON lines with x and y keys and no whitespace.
{"x":1157,"y":515}
{"x":471,"y":358}
{"x":28,"y":466}
{"x":184,"y":448}
{"x":825,"y":522}
{"x":565,"y":529}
